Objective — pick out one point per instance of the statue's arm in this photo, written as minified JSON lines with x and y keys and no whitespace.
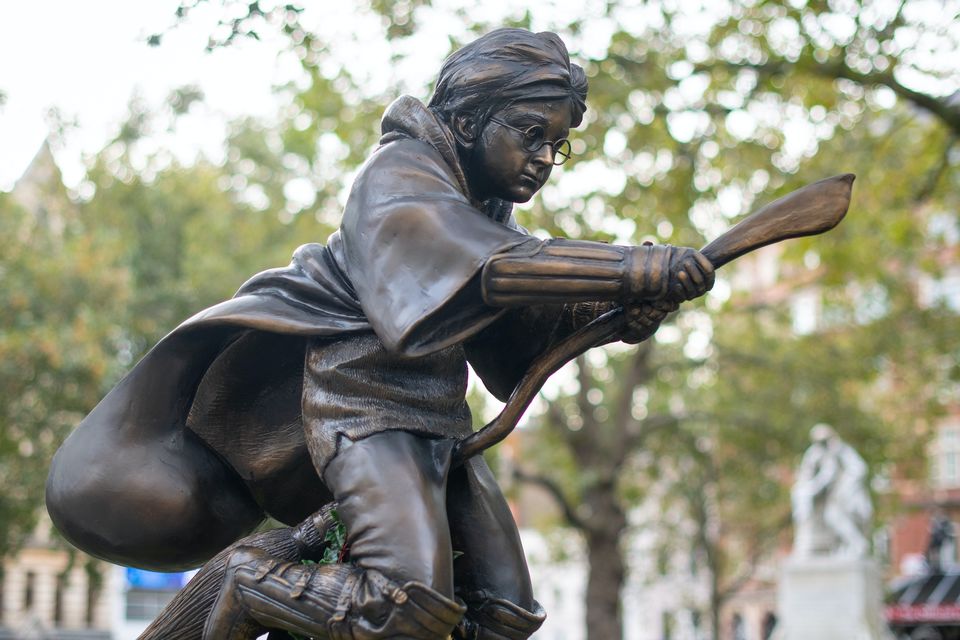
{"x":562,"y":271}
{"x":825,"y":475}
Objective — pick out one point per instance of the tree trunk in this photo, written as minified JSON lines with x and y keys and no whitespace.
{"x":607,"y":567}
{"x":604,"y":583}
{"x":715,"y":603}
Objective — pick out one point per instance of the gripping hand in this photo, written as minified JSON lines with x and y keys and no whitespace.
{"x":643,"y":319}
{"x":691,"y":274}
{"x":662,"y":271}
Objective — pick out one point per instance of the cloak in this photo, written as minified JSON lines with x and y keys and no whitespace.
{"x":204,"y":435}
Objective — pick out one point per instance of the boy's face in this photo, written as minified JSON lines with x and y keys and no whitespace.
{"x":501,"y":166}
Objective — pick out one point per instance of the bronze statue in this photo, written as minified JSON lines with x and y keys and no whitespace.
{"x":342,"y":377}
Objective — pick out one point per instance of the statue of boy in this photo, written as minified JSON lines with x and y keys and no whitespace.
{"x":359,"y":349}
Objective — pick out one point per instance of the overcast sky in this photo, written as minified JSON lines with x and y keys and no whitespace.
{"x":88,"y":59}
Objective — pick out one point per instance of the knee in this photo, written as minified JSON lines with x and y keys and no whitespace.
{"x":391,"y":495}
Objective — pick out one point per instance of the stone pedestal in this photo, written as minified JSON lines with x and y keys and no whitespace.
{"x":827,"y":598}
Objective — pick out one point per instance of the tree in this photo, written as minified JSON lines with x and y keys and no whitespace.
{"x":188,"y":236}
{"x":55,"y":348}
{"x":713,"y":163}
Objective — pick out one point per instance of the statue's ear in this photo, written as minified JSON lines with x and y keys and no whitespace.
{"x":465,"y":130}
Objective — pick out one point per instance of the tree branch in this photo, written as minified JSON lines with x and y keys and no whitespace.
{"x":649,"y":426}
{"x":637,"y":374}
{"x":557,"y":420}
{"x":768,"y":540}
{"x":586,"y":382}
{"x":939,"y":107}
{"x":934,"y":176}
{"x":551,"y":487}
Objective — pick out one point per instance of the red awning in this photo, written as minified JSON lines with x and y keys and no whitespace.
{"x":929,"y":599}
{"x":918,"y":613}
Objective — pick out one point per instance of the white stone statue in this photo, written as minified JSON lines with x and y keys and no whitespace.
{"x":831,"y":503}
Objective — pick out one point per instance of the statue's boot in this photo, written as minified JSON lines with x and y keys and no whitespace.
{"x":495,"y":619}
{"x":324,"y":602}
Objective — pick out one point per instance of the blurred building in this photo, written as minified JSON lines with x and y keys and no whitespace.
{"x":49,"y":593}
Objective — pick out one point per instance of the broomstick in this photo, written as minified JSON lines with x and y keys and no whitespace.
{"x":808,"y":211}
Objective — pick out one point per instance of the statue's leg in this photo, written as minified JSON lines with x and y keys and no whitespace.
{"x":838,"y":519}
{"x":391,"y":494}
{"x":491,"y":574}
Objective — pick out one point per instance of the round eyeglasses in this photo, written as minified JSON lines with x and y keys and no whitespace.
{"x":534,"y":139}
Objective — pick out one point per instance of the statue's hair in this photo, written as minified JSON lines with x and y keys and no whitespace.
{"x":504,"y":67}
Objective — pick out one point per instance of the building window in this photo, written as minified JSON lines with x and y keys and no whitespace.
{"x":737,"y":628}
{"x":29,"y":585}
{"x":695,"y":622}
{"x":945,"y":461}
{"x":58,"y":599}
{"x":666,"y":623}
{"x":93,"y":596}
{"x":769,"y":624}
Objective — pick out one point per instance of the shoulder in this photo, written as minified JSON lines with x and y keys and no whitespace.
{"x":408,"y":159}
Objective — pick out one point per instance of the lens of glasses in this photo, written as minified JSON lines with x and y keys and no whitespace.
{"x":534,"y":139}
{"x":561,"y":151}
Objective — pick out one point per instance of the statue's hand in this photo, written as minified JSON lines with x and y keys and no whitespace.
{"x":691,"y":274}
{"x":657,"y":271}
{"x":643,"y":319}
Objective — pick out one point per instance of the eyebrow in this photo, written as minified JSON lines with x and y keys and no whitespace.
{"x":529,"y":117}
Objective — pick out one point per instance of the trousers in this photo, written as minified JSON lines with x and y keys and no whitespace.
{"x":408,"y":513}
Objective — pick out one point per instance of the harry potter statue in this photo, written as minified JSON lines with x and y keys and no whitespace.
{"x":343,"y":377}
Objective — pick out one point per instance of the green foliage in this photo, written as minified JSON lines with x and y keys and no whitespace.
{"x":334,"y":541}
{"x":334,"y":546}
{"x":56,"y":348}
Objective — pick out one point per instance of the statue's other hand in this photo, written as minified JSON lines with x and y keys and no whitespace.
{"x":643,"y":319}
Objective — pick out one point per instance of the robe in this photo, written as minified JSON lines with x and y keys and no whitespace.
{"x":205,"y":435}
